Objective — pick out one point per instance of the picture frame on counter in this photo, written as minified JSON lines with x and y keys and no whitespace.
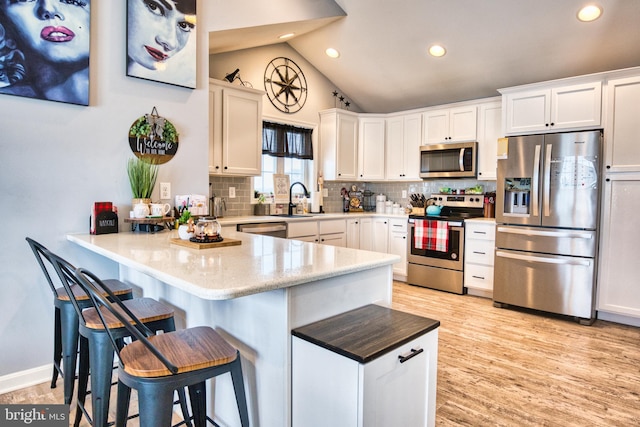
{"x":162,"y":41}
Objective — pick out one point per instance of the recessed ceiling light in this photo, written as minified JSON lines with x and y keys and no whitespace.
{"x":332,"y":53}
{"x":437,"y":50}
{"x":286,"y":36}
{"x":589,"y":13}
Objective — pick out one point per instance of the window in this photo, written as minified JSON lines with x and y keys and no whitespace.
{"x":286,"y":150}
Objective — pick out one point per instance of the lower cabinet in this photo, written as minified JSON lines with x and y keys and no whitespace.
{"x":618,"y":290}
{"x":380,"y":234}
{"x":333,"y":384}
{"x":479,"y":248}
{"x":330,"y":232}
{"x":398,"y":246}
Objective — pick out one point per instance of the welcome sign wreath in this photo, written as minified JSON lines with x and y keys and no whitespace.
{"x":154,"y":138}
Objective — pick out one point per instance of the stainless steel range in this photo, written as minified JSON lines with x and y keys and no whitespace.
{"x":435,"y":248}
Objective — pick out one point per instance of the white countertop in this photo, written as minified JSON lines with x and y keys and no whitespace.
{"x":234,"y":220}
{"x":259,"y":264}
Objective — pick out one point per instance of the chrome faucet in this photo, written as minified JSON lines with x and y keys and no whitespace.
{"x":306,"y":194}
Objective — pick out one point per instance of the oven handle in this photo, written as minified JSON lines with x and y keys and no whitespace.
{"x":568,"y":234}
{"x":546,"y":260}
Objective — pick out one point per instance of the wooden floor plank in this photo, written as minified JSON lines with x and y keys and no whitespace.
{"x":508,"y":367}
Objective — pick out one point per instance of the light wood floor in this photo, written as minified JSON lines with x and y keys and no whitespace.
{"x":506,"y":367}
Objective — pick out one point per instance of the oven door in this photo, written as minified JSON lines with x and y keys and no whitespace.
{"x":452,"y":259}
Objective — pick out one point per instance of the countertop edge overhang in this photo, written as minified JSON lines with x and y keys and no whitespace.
{"x":259,"y":264}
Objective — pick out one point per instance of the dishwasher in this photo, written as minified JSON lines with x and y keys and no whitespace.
{"x":274,"y":229}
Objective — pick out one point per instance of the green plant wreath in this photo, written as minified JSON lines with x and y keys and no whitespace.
{"x":153,"y":138}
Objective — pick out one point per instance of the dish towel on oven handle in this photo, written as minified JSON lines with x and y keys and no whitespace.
{"x":431,"y":235}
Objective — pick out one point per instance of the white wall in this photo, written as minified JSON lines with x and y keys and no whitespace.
{"x":57,"y":159}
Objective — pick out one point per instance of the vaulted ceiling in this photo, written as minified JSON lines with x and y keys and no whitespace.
{"x":384,"y":65}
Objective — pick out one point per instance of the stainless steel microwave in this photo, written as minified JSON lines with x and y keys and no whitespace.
{"x":456,"y":160}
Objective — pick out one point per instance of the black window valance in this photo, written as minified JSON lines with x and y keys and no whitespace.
{"x":281,"y":140}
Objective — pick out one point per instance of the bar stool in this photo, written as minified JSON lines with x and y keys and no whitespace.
{"x":96,"y":350}
{"x":65,"y":341}
{"x":155,"y":365}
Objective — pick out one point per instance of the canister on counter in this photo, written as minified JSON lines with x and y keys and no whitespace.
{"x":490,"y":205}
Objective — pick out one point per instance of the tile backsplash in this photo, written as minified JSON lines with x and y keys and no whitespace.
{"x":241,"y":204}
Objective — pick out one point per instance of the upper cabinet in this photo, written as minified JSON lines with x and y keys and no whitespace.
{"x":371,"y":147}
{"x":403,"y":140}
{"x":450,"y":125}
{"x":552,"y":108}
{"x":339,"y":144}
{"x":622,"y":149}
{"x":489,"y":130}
{"x":235,"y":129}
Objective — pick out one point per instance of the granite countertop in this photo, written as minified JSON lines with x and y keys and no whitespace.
{"x":234,"y":220}
{"x":259,"y":264}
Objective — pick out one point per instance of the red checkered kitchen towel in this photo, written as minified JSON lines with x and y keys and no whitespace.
{"x":431,"y":235}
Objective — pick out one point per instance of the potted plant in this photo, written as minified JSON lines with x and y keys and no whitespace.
{"x":185,"y":225}
{"x":142,"y":178}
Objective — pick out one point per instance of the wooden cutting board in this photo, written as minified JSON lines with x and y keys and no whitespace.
{"x":195,"y":245}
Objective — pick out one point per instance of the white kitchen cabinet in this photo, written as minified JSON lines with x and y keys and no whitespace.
{"x":328,"y":232}
{"x":380,"y":234}
{"x":366,"y":234}
{"x":353,"y":233}
{"x":489,"y":130}
{"x":398,"y":246}
{"x":552,"y":109}
{"x":450,"y":125}
{"x":334,"y":384}
{"x":622,"y":130}
{"x":235,"y":129}
{"x":618,"y":290}
{"x":479,"y":249}
{"x":339,"y":144}
{"x":371,"y":147}
{"x":403,"y":140}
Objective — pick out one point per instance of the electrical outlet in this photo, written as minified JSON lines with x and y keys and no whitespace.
{"x":232,"y":192}
{"x":165,"y":190}
{"x":325,"y":192}
{"x":404,"y":194}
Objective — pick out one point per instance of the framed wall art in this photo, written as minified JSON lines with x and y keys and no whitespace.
{"x":161,"y":41}
{"x":44,"y":50}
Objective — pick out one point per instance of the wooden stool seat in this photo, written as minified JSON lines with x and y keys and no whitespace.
{"x":116,"y":286}
{"x":146,"y":309}
{"x":187,"y":349}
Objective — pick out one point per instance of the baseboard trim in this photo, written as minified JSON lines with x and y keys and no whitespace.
{"x":27,"y":378}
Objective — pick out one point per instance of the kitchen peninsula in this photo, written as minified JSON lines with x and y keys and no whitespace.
{"x":254,"y":294}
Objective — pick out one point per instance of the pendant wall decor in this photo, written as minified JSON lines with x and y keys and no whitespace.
{"x":153,"y":138}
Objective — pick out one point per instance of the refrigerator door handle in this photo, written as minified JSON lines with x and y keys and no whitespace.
{"x":569,"y":234}
{"x":547,"y":180}
{"x":536,"y":182}
{"x":546,"y":260}
{"x":461,"y":160}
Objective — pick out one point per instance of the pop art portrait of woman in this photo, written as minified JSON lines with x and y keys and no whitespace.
{"x":161,"y":41}
{"x":44,"y":49}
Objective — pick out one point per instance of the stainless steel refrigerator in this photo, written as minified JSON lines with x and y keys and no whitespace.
{"x":547,"y":210}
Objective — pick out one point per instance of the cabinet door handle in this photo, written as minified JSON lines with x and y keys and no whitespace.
{"x":413,"y":353}
{"x":479,"y":232}
{"x":478,"y":277}
{"x":480,"y":253}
